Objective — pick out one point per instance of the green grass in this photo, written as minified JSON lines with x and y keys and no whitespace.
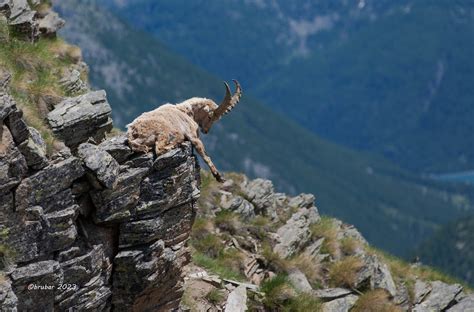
{"x":217,"y":266}
{"x":215,"y":296}
{"x":36,"y":70}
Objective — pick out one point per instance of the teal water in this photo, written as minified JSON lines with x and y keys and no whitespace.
{"x":465,"y":176}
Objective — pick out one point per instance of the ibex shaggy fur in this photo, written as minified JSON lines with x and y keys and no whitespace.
{"x":170,"y":125}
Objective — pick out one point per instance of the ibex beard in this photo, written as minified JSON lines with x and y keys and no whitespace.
{"x":170,"y":125}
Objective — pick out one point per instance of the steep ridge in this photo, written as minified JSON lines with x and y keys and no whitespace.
{"x":84,"y":226}
{"x":390,"y":206}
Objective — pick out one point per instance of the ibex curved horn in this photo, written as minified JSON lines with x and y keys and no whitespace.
{"x":229,"y":101}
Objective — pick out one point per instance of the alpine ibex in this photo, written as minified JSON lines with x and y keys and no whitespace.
{"x":170,"y":125}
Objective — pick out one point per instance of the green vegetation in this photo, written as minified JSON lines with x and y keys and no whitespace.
{"x":452,"y":250}
{"x":36,"y":69}
{"x":326,"y":229}
{"x":217,"y":266}
{"x":404,"y":271}
{"x":280,"y":296}
{"x":215,"y":296}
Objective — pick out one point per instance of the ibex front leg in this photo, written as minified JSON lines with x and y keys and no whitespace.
{"x":199,"y":146}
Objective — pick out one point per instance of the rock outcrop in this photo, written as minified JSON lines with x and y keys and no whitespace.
{"x":290,"y":258}
{"x":91,"y":227}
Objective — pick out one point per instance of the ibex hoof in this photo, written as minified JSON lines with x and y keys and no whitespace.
{"x":219,"y":178}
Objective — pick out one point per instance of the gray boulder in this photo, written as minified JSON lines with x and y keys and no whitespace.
{"x":441,"y":296}
{"x":237,"y":300}
{"x":331,"y":293}
{"x":343,"y":304}
{"x":72,"y":82}
{"x":103,"y":169}
{"x":77,"y":119}
{"x":376,"y":275}
{"x":34,"y":150}
{"x":50,"y":24}
{"x":295,"y":234}
{"x":466,"y":304}
{"x":299,"y":281}
{"x":117,"y":146}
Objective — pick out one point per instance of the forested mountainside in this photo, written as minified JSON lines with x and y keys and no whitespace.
{"x":452,"y":249}
{"x":389,"y":205}
{"x":392,"y":77}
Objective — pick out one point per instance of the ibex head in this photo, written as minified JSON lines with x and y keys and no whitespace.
{"x":205,"y":112}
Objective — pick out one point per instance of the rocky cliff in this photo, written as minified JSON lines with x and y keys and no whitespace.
{"x":86,"y":225}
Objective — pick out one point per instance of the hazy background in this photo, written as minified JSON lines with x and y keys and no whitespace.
{"x":367,"y":104}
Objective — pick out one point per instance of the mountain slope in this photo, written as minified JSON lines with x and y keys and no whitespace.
{"x":452,"y":248}
{"x":390,"y":206}
{"x":386,"y":76}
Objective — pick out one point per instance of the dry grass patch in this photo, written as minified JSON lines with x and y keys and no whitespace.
{"x":344,"y":273}
{"x":375,"y":301}
{"x":310,"y":268}
{"x":326,"y":229}
{"x":349,"y":246}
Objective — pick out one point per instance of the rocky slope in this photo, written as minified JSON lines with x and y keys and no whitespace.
{"x":86,"y":225}
{"x":264,"y":251}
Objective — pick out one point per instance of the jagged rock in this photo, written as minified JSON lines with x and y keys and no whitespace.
{"x":313,"y":250}
{"x":44,"y":184}
{"x":90,"y":274}
{"x":119,"y":203}
{"x":22,"y":19}
{"x":75,"y":120}
{"x":440,"y":297}
{"x":376,"y":274}
{"x":12,"y":163}
{"x":331,"y":293}
{"x":302,"y":201}
{"x":35,"y":285}
{"x":171,"y":182}
{"x":117,"y":146}
{"x":260,"y":193}
{"x":171,"y":226}
{"x":343,"y":304}
{"x":294,"y":235}
{"x":238,"y":204}
{"x":147,"y":278}
{"x":8,"y":299}
{"x":466,"y":304}
{"x":7,"y":106}
{"x":50,"y":24}
{"x":422,"y":289}
{"x":402,"y":298}
{"x":72,"y":82}
{"x":103,"y":169}
{"x":299,"y":281}
{"x":34,"y":150}
{"x":18,"y":127}
{"x":237,"y":300}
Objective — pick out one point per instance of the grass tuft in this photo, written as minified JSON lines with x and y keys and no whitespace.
{"x":375,"y":301}
{"x":344,"y":273}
